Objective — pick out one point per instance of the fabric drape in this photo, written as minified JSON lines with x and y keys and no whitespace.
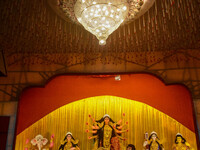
{"x":73,"y":117}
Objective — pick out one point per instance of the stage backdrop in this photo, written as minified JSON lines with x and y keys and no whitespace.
{"x":41,"y":111}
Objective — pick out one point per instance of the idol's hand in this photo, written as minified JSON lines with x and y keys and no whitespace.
{"x":125,"y":139}
{"x":91,"y":118}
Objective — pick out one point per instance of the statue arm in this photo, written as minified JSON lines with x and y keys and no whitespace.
{"x":91,"y":131}
{"x":146,"y":142}
{"x":93,"y":120}
{"x":77,"y":148}
{"x":120,"y":121}
{"x":92,"y":137}
{"x":187,"y":144}
{"x":120,"y":131}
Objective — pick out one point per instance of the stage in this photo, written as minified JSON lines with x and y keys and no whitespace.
{"x":142,"y":102}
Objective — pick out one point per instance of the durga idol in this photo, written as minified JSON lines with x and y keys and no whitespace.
{"x":107,"y":133}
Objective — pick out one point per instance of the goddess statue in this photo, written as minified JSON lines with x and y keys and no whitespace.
{"x":69,"y":143}
{"x":107,"y":133}
{"x":153,"y":143}
{"x":180,"y":143}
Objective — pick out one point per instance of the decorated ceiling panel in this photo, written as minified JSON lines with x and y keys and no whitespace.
{"x":36,"y":27}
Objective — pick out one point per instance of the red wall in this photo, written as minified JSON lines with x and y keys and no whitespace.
{"x":173,"y":100}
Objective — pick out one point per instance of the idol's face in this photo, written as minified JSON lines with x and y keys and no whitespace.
{"x":153,"y":137}
{"x":106,"y":120}
{"x":179,"y":139}
{"x":69,"y":137}
{"x":129,"y":148}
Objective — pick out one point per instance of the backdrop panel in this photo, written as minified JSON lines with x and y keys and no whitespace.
{"x":73,"y":117}
{"x":173,"y":100}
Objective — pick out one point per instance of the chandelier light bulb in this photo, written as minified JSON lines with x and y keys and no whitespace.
{"x":124,"y":8}
{"x":102,"y":42}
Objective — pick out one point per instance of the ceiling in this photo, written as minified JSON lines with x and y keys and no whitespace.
{"x":35,"y":27}
{"x":39,"y":42}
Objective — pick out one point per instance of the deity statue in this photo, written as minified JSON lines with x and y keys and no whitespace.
{"x":180,"y":143}
{"x":153,"y":142}
{"x":130,"y":147}
{"x":39,"y":141}
{"x":107,"y":133}
{"x":69,"y":143}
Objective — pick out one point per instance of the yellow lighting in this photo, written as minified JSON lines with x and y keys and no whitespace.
{"x":73,"y":117}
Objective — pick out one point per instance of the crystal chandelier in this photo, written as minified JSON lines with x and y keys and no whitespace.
{"x":101,"y":17}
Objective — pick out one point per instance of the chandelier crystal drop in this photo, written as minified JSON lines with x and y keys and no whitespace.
{"x":101,"y":17}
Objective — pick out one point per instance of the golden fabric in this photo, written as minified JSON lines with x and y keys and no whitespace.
{"x":107,"y":136}
{"x":154,"y":146}
{"x":180,"y":147}
{"x":73,"y":117}
{"x":68,"y":146}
